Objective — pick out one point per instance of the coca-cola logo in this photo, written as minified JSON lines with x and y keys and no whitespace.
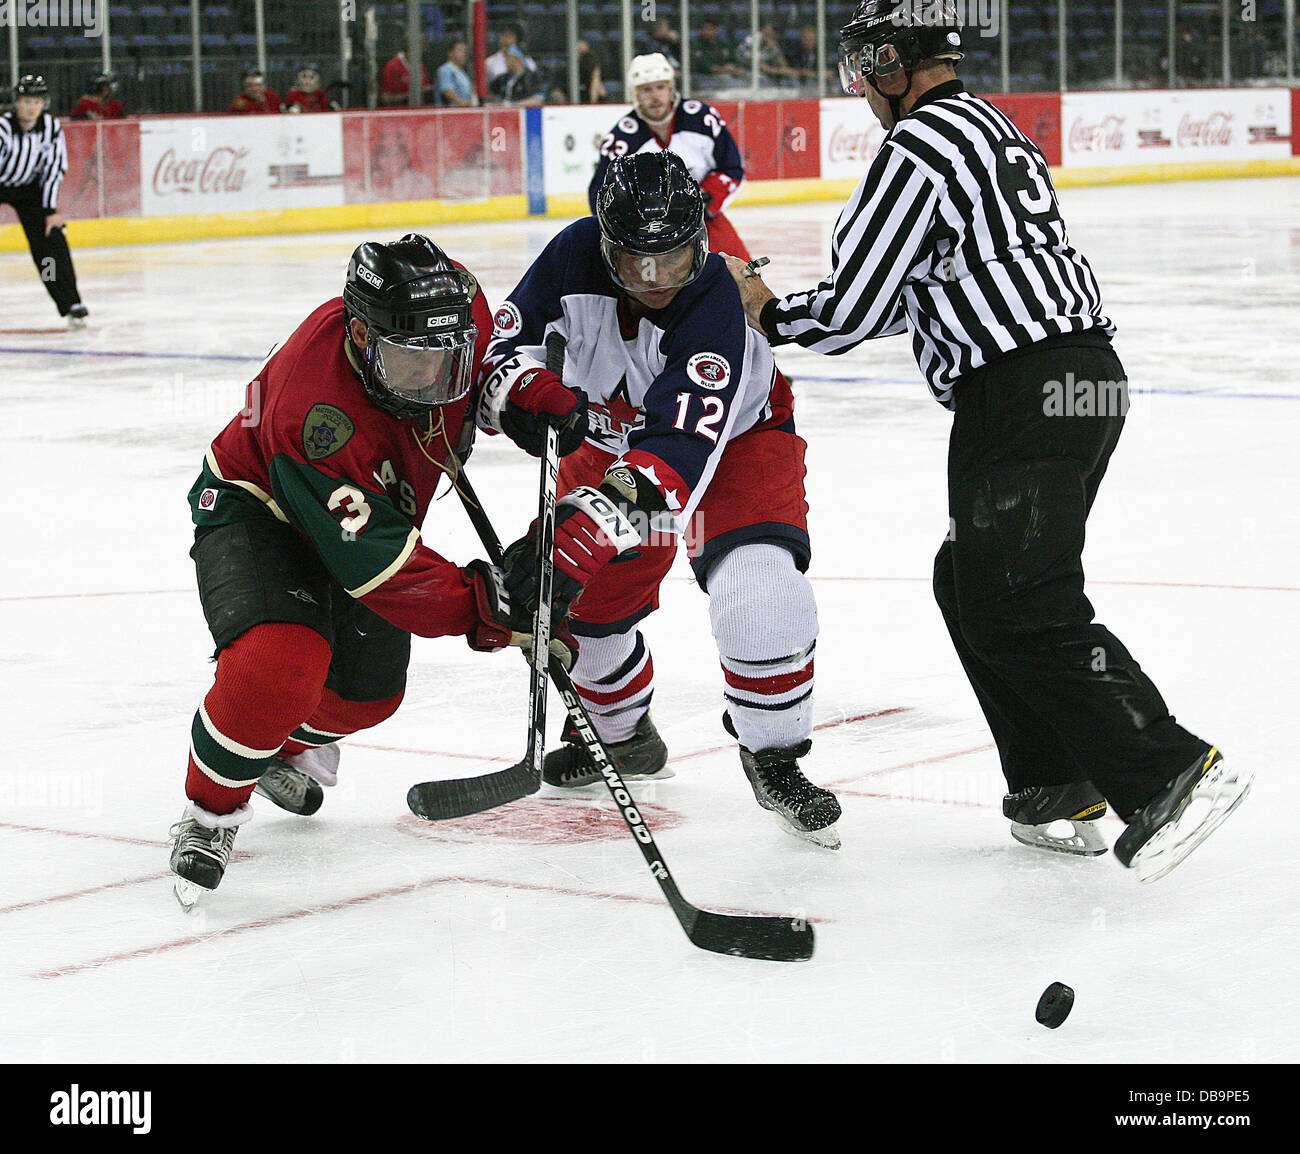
{"x":217,"y":170}
{"x":1105,"y":135}
{"x":1215,"y":131}
{"x":847,"y":145}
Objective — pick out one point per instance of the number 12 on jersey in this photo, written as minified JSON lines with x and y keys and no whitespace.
{"x":707,"y":424}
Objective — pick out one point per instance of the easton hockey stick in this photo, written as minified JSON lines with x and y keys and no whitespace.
{"x":460,"y":797}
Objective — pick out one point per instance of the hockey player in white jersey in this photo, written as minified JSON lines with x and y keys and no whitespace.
{"x":692,"y":129}
{"x":691,"y":435}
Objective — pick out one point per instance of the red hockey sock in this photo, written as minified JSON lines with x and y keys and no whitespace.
{"x":336,"y":717}
{"x":268,"y":680}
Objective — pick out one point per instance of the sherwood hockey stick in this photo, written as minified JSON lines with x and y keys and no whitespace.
{"x":740,"y":935}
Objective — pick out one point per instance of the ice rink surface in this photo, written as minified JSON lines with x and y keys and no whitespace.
{"x":536,"y":933}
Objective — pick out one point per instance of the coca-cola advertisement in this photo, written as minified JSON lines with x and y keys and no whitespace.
{"x":1101,"y":129}
{"x":850,"y":138}
{"x":240,"y":164}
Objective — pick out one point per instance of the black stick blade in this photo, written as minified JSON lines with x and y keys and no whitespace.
{"x":442,"y":800}
{"x":768,"y":939}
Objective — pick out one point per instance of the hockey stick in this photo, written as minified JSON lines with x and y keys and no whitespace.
{"x":740,"y":935}
{"x":440,"y":800}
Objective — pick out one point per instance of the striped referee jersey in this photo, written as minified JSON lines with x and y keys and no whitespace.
{"x":37,"y":155}
{"x":955,"y":232}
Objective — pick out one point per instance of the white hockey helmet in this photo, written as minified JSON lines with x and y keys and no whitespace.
{"x":649,"y":69}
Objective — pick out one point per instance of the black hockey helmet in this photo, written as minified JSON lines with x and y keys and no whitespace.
{"x":418,"y":308}
{"x":31,"y":85}
{"x":103,"y":80}
{"x":886,"y":36}
{"x":653,"y":233}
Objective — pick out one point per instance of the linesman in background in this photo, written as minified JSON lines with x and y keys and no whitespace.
{"x":955,"y":234}
{"x":33,"y":161}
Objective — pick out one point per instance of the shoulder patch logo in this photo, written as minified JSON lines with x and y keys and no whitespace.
{"x":506,"y":321}
{"x":627,"y":124}
{"x":709,"y":370}
{"x":208,"y":499}
{"x":325,"y":430}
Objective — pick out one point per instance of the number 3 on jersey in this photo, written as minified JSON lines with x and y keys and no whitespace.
{"x":707,"y":424}
{"x":1025,"y":178}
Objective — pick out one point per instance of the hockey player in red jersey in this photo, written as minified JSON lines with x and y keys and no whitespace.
{"x":690,"y":435}
{"x":310,"y":567}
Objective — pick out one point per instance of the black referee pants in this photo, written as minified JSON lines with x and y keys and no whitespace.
{"x":1065,"y":700}
{"x":51,"y":254}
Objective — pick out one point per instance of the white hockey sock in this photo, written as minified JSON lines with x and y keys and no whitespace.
{"x":764,"y":620}
{"x":614,"y":677}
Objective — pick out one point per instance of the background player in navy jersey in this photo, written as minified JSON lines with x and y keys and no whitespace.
{"x":956,"y":234}
{"x":691,"y":433}
{"x":693,"y":130}
{"x":310,"y":566}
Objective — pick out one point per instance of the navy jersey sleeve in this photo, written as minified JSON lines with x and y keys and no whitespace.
{"x":520,"y":325}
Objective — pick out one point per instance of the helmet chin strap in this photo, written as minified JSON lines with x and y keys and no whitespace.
{"x":895,"y":102}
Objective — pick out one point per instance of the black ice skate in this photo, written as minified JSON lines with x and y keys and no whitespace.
{"x":294,"y":783}
{"x":201,"y":852}
{"x":1181,"y":816}
{"x":643,"y":756}
{"x":290,"y":789}
{"x":1062,"y":818}
{"x":805,"y":810}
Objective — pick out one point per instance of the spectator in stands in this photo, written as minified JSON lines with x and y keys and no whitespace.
{"x":307,"y":95}
{"x":395,"y":83}
{"x":772,"y":64}
{"x":664,"y":39}
{"x":803,"y":59}
{"x":255,"y":96}
{"x":518,"y":84}
{"x":511,"y":37}
{"x":712,"y":56}
{"x":454,"y":86}
{"x":98,"y":102}
{"x":591,"y":88}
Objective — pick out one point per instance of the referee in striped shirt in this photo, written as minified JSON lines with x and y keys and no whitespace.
{"x":33,"y":160}
{"x":955,"y":234}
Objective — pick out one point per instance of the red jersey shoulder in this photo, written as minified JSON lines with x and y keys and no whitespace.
{"x":315,"y":408}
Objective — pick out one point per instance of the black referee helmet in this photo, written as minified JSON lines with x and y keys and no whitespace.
{"x":885,"y":36}
{"x":31,"y":85}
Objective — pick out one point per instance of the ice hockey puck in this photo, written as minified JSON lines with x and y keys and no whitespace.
{"x":1055,"y":1005}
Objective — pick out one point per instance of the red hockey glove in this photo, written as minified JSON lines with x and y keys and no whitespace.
{"x":501,"y":620}
{"x":519,"y":395}
{"x":717,"y":187}
{"x":590,"y":531}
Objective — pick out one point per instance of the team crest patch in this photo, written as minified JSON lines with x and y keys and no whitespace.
{"x":506,"y":321}
{"x":326,"y":430}
{"x":709,"y":371}
{"x":208,"y":499}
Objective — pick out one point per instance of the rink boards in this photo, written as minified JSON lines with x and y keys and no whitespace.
{"x":187,"y":178}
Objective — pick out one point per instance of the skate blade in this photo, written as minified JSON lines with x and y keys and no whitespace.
{"x":1085,"y":841}
{"x":828,"y":837}
{"x":187,"y":894}
{"x":1224,"y":790}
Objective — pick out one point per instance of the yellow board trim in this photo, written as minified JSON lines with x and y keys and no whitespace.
{"x":276,"y":222}
{"x":427,"y":213}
